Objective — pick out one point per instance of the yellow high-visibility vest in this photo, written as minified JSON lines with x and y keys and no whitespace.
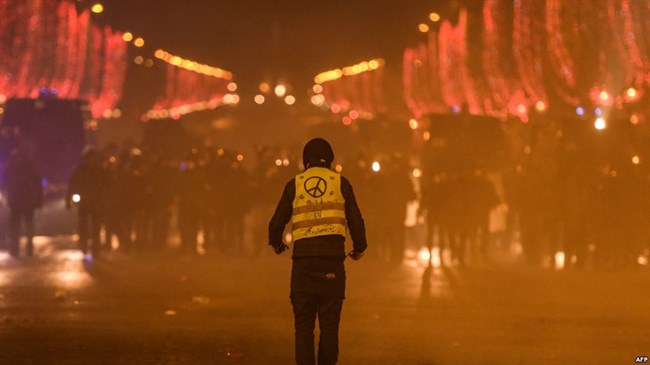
{"x":319,"y":206}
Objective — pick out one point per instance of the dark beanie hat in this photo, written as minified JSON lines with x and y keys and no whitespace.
{"x":317,"y":152}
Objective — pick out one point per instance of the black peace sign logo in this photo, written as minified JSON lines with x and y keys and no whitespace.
{"x":315,"y":186}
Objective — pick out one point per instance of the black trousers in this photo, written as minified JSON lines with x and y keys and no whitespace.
{"x":317,"y":291}
{"x":88,"y":227}
{"x":16,"y":216}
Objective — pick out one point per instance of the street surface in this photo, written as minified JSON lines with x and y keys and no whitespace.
{"x":59,"y":308}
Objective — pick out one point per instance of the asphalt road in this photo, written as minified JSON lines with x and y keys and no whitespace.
{"x":60,"y":308}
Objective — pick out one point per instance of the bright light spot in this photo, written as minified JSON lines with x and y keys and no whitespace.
{"x":317,"y":88}
{"x":455,"y":108}
{"x":413,"y":124}
{"x":220,"y":151}
{"x":426,"y":136}
{"x":376,"y":166}
{"x":424,"y":254}
{"x":354,"y":114}
{"x":232,"y":87}
{"x":521,"y":109}
{"x":338,"y":168}
{"x":423,"y":28}
{"x":335,"y":108}
{"x":347,"y":120}
{"x":3,"y":98}
{"x":604,"y":96}
{"x":631,"y":93}
{"x":138,"y":60}
{"x":434,"y":17}
{"x":240,"y":157}
{"x":97,"y":8}
{"x":580,"y":111}
{"x":636,"y":160}
{"x":76,"y":198}
{"x":235,"y":99}
{"x":259,"y":99}
{"x":127,"y":37}
{"x":598,"y":112}
{"x":559,"y":260}
{"x":285,"y":162}
{"x":417,"y":172}
{"x":264,"y":87}
{"x":288,"y":237}
{"x":634,"y":119}
{"x":139,"y":42}
{"x":318,"y":99}
{"x":642,"y":260}
{"x":73,"y":255}
{"x":278,"y":162}
{"x":4,"y":256}
{"x":600,"y":123}
{"x":540,"y":106}
{"x":290,"y":100}
{"x":280,"y":90}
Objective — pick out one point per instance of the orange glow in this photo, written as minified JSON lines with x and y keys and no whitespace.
{"x":354,"y":114}
{"x":290,"y":100}
{"x":139,"y":42}
{"x":240,"y":157}
{"x":338,"y":168}
{"x":540,"y":106}
{"x":317,"y":88}
{"x":413,"y":124}
{"x":127,"y":37}
{"x":259,"y":99}
{"x":426,"y":136}
{"x":138,"y":60}
{"x":347,"y":120}
{"x":232,"y":87}
{"x":423,"y":28}
{"x":636,"y":160}
{"x":434,"y":17}
{"x":265,"y":87}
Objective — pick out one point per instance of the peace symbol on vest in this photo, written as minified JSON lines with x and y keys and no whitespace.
{"x":315,"y":186}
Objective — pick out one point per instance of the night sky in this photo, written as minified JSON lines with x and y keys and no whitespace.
{"x":280,"y":40}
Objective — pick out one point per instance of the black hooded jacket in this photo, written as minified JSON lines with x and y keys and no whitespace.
{"x":320,"y":246}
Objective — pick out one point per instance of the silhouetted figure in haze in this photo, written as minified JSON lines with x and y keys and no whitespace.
{"x":320,"y":203}
{"x":86,"y":189}
{"x":481,"y":197}
{"x":192,"y":201}
{"x":24,"y":195}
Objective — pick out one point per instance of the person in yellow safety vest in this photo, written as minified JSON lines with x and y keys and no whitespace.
{"x":320,"y":204}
